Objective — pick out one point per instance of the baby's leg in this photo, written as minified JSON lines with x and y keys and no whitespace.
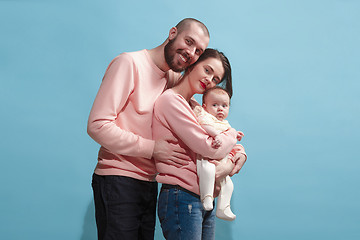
{"x":206,"y":174}
{"x":223,"y":210}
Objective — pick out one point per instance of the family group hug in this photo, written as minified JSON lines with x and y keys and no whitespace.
{"x":154,"y":133}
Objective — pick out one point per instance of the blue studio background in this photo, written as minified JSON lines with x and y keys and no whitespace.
{"x":296,"y":76}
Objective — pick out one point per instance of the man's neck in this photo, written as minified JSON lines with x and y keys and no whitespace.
{"x":158,"y":57}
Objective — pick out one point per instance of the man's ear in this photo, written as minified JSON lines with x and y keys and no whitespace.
{"x":204,"y":106}
{"x":172,"y":33}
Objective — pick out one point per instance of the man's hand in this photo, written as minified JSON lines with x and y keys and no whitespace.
{"x":167,"y":150}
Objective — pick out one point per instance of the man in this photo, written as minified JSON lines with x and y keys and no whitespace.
{"x":124,"y":184}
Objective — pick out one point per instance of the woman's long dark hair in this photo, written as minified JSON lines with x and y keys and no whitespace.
{"x":226,"y":81}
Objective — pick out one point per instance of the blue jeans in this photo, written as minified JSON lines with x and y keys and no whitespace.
{"x":125,"y":208}
{"x":182,"y":216}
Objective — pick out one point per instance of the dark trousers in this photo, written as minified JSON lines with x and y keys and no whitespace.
{"x":125,"y":208}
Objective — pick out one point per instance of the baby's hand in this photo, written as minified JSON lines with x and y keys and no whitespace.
{"x":216,"y":143}
{"x":240,"y":135}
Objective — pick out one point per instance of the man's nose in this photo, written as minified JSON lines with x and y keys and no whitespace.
{"x":191,"y":52}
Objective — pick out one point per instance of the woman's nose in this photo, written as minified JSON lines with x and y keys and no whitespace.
{"x":207,"y":81}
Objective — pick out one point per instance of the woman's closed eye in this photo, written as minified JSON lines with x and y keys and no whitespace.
{"x":216,"y":80}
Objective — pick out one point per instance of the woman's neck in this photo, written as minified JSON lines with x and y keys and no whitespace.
{"x":183,"y":89}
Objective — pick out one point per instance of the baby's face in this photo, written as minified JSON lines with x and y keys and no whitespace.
{"x":217,"y":104}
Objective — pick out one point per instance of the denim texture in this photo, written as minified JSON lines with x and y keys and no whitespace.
{"x":182,"y":216}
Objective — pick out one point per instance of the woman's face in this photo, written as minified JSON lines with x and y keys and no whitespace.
{"x":205,"y":74}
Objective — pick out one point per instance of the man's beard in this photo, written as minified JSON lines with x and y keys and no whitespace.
{"x":169,"y":52}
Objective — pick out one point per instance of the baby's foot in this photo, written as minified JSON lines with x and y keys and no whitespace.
{"x":208,"y":203}
{"x":225,"y":214}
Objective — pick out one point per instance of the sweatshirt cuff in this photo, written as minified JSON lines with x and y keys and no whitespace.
{"x":147,"y":147}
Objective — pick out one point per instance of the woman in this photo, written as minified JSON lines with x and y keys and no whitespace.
{"x":180,"y":210}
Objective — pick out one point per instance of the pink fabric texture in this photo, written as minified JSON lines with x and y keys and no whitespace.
{"x":173,"y":116}
{"x":121,"y":116}
{"x":205,"y":118}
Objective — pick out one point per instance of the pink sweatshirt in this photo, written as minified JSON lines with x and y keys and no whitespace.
{"x":121,"y":116}
{"x":173,"y":116}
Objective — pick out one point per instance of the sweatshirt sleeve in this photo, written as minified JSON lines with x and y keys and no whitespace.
{"x":175,"y":113}
{"x":238,"y":149}
{"x":113,"y":94}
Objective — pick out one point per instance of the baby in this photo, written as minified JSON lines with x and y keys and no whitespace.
{"x":211,"y":116}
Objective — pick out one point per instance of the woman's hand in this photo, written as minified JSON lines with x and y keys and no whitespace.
{"x":231,"y":167}
{"x":222,"y":169}
{"x":239,"y":159}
